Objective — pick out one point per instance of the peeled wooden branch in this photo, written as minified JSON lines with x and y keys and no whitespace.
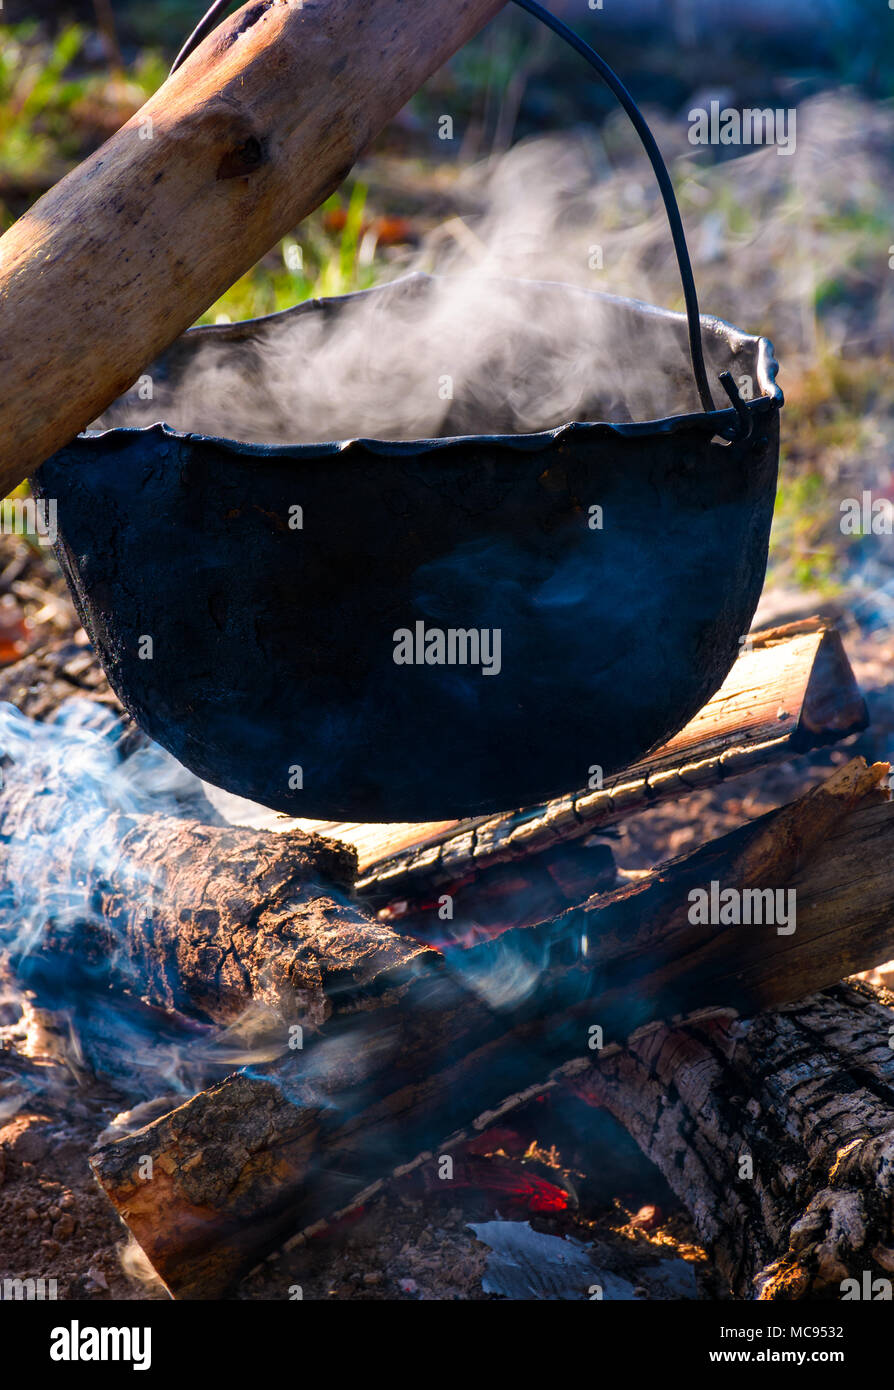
{"x":262,"y":1154}
{"x":251,"y":134}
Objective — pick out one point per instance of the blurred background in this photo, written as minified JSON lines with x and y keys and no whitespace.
{"x":799,"y":248}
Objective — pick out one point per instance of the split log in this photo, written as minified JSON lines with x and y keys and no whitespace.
{"x":276,"y":1149}
{"x":777,"y":1134}
{"x":251,"y":134}
{"x":792,"y":690}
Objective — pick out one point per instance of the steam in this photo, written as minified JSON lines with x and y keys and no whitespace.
{"x":470,"y":352}
{"x":462,"y":354}
{"x":475,"y":352}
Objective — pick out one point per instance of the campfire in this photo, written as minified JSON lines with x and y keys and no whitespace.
{"x":359,"y":1014}
{"x":413,"y":844}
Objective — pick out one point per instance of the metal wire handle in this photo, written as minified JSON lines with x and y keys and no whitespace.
{"x":671,"y":207}
{"x":665,"y":185}
{"x":202,"y":30}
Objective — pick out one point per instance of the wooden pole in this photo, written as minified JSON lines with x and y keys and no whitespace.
{"x":251,"y":134}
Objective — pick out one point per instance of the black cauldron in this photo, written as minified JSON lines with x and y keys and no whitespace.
{"x":430,"y":628}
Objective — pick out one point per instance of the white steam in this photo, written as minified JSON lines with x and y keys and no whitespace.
{"x":770,"y":240}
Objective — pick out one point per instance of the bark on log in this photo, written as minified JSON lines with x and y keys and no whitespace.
{"x":262,"y":1153}
{"x":777,"y":1134}
{"x":251,"y":134}
{"x":197,"y":919}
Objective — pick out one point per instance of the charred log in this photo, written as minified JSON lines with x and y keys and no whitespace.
{"x":778,"y":1134}
{"x":240,"y":1165}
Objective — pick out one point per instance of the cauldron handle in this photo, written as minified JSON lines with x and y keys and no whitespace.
{"x":671,"y":207}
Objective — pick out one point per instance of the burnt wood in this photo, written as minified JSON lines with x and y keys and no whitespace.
{"x":198,"y":919}
{"x":778,"y":1135}
{"x":277,"y":1148}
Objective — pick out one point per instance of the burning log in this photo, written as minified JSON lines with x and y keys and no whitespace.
{"x":191,"y":916}
{"x":778,"y":1134}
{"x":270,"y":1150}
{"x":403,"y":1045}
{"x":206,"y":920}
{"x":251,"y":134}
{"x":793,"y":689}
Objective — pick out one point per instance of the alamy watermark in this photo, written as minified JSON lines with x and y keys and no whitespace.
{"x":736,"y":907}
{"x":30,"y":516}
{"x":85,"y":1343}
{"x":867,"y":515}
{"x":452,"y":646}
{"x":717,"y":125}
{"x":867,"y":1288}
{"x":28,"y":1290}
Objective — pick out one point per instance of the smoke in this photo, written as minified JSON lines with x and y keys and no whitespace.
{"x":73,"y":756}
{"x":70,"y":993}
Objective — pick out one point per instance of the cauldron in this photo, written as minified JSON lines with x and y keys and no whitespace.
{"x":416,"y":629}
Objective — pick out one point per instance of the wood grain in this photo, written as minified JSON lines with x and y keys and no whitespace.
{"x":806,"y":1097}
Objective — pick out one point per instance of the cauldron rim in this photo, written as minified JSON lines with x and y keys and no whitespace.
{"x":711,"y":423}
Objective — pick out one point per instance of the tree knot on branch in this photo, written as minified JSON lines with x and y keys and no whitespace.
{"x":243,"y":159}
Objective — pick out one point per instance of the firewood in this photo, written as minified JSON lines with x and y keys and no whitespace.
{"x":203,"y":920}
{"x":279,"y":1148}
{"x":777,"y":1134}
{"x":800,"y":670}
{"x":793,"y":689}
{"x":251,"y":134}
{"x":249,"y":942}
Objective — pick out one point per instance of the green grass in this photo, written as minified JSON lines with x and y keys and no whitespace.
{"x":315,"y":262}
{"x":51,"y":101}
{"x":836,"y":410}
{"x":801,"y":552}
{"x":34,"y":100}
{"x":46,"y":100}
